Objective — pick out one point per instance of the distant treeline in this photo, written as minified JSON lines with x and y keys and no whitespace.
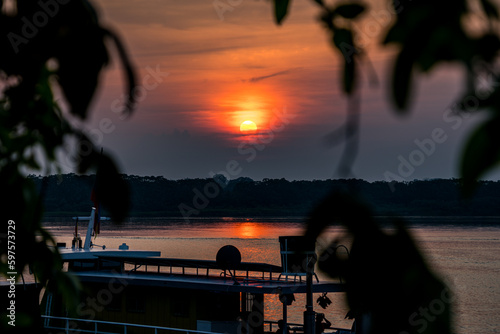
{"x":69,"y":194}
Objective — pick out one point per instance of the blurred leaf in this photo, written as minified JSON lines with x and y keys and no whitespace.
{"x":280,"y":10}
{"x":401,"y":80}
{"x":492,"y":101}
{"x":31,"y":162}
{"x":488,"y":46}
{"x":339,"y":207}
{"x":387,"y":278}
{"x":481,"y":153}
{"x":349,"y":11}
{"x":80,"y":63}
{"x":68,"y":286}
{"x":342,"y":38}
{"x":490,"y":9}
{"x":111,"y":189}
{"x":410,"y":23}
{"x":30,"y":121}
{"x":128,"y":69}
{"x":344,"y":42}
{"x":327,"y":18}
{"x":86,"y":154}
{"x":394,"y":35}
{"x":432,"y":52}
{"x":349,"y":76}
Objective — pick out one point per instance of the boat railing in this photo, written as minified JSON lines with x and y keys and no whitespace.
{"x":70,"y":325}
{"x":201,"y":268}
{"x":246,"y":276}
{"x":295,"y":328}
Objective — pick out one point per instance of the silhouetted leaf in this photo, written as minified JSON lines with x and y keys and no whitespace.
{"x":66,"y":285}
{"x":409,"y":24}
{"x":490,"y":9}
{"x":112,"y":190}
{"x":403,"y":282}
{"x":394,"y":35}
{"x":488,"y":46}
{"x":481,"y":153}
{"x":80,"y":63}
{"x":434,"y":49}
{"x":349,"y":11}
{"x":30,"y":121}
{"x":340,"y":207}
{"x":401,"y":80}
{"x":280,"y":10}
{"x":86,"y":156}
{"x":343,"y":40}
{"x":327,"y":18}
{"x":128,"y":69}
{"x":349,"y":76}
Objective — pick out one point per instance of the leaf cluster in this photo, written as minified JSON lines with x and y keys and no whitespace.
{"x":427,"y":34}
{"x":387,"y":279}
{"x":47,"y":47}
{"x":430,"y":33}
{"x":389,"y":285}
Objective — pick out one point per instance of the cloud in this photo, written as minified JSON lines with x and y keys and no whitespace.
{"x":256,"y":79}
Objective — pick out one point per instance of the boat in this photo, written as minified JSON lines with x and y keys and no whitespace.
{"x":137,"y":291}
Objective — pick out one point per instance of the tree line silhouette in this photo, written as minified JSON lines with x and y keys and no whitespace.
{"x":154,"y":196}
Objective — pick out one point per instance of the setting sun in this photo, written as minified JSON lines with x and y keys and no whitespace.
{"x":248,"y":126}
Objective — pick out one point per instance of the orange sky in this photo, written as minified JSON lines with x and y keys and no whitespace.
{"x":202,"y":74}
{"x":221,"y":72}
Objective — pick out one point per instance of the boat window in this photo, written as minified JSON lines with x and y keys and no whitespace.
{"x":82,"y":265}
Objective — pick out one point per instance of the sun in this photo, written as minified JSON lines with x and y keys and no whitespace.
{"x":248,"y":126}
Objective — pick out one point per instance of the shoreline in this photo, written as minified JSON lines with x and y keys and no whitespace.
{"x":385,"y":220}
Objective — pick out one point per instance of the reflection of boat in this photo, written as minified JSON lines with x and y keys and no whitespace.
{"x":136,"y":291}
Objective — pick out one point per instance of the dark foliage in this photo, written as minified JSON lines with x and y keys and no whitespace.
{"x":387,"y":281}
{"x":426,"y":33}
{"x":47,"y":44}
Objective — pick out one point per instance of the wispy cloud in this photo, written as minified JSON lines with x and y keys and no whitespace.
{"x":256,"y":79}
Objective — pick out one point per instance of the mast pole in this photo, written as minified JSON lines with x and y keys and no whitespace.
{"x":88,"y":237}
{"x":309,"y":314}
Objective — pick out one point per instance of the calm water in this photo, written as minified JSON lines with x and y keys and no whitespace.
{"x":466,"y":257}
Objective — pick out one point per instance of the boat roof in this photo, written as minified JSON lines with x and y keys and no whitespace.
{"x":70,"y":254}
{"x":191,"y":263}
{"x":211,"y":283}
{"x":249,"y":277}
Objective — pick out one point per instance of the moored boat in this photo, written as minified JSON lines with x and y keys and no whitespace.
{"x":142,"y":292}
